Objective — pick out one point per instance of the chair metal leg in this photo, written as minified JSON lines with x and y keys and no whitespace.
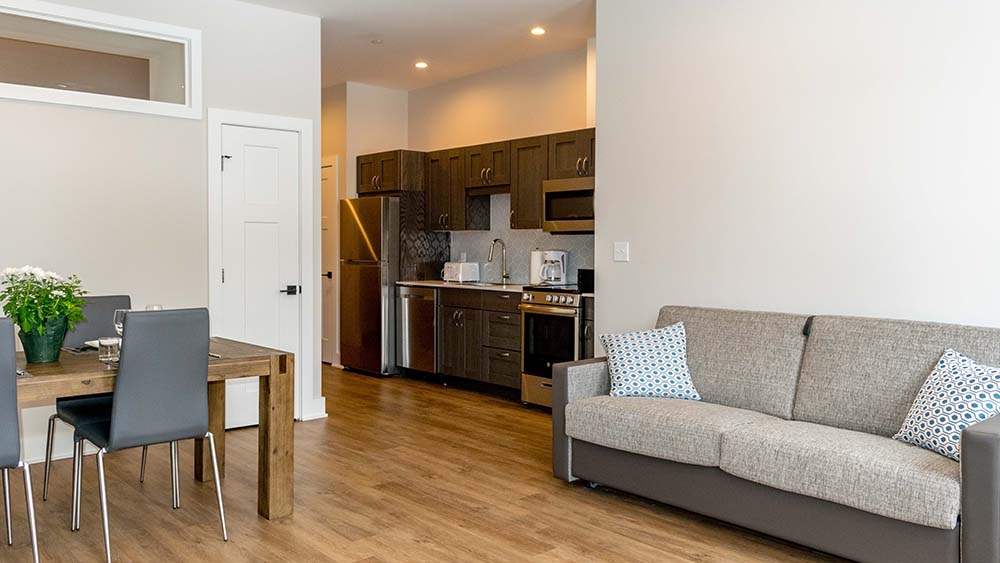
{"x":175,"y":475}
{"x":142,"y":468}
{"x":104,"y":503}
{"x":29,"y":501}
{"x":48,"y":456}
{"x":218,"y":486}
{"x":6,"y":505}
{"x":77,"y":486}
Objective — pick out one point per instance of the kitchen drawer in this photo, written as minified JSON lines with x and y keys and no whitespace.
{"x":502,"y":367}
{"x":536,"y":390}
{"x":466,"y":298}
{"x":503,"y":301}
{"x":502,"y":330}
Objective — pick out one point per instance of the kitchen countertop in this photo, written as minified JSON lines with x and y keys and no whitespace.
{"x":455,"y":285}
{"x":471,"y":285}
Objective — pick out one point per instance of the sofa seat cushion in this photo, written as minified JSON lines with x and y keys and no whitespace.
{"x":864,"y":471}
{"x":673,"y":429}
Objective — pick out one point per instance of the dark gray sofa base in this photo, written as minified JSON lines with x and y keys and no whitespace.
{"x":812,"y":522}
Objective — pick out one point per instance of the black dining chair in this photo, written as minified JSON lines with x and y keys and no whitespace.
{"x":161,"y":396}
{"x":99,"y":312}
{"x":10,"y":433}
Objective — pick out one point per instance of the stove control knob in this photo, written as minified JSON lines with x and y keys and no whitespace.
{"x":569,"y":300}
{"x":548,"y":298}
{"x":562,"y":299}
{"x":526,"y":297}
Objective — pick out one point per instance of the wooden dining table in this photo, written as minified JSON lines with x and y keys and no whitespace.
{"x":82,"y":374}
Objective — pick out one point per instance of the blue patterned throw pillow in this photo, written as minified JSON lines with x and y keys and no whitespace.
{"x":651,"y":363}
{"x":958,"y":394}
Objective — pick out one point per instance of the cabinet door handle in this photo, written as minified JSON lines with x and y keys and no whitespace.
{"x":489,"y":175}
{"x":578,"y":162}
{"x":512,"y":218}
{"x":586,"y":165}
{"x":482,"y":175}
{"x":441,"y":221}
{"x":447,"y":220}
{"x":373,"y":181}
{"x":586,"y":331}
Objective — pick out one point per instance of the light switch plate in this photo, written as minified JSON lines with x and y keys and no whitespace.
{"x":621,"y":252}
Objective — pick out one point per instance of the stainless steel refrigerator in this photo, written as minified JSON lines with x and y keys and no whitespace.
{"x":369,"y":270}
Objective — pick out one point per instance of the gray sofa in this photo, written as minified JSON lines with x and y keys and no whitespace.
{"x":793,"y":436}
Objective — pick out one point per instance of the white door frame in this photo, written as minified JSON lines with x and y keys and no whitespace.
{"x":309,"y":401}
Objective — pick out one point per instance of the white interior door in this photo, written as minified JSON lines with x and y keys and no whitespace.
{"x":330,"y":175}
{"x":260,"y":251}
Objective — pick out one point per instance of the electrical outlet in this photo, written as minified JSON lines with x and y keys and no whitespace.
{"x":621,"y":252}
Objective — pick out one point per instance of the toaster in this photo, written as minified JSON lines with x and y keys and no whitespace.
{"x":460,"y":272}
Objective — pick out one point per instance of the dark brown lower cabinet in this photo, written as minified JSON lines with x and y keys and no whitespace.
{"x":460,"y":339}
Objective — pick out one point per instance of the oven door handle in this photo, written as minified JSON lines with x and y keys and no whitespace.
{"x":547,"y":310}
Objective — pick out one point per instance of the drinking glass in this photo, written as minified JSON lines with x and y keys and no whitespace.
{"x":109,"y":350}
{"x":154,"y":307}
{"x":120,"y":320}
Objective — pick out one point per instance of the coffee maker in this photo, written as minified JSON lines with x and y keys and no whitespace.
{"x":553,"y":269}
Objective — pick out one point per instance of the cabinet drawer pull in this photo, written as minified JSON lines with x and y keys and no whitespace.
{"x":578,"y":161}
{"x":504,"y":317}
{"x":504,"y":354}
{"x":545,"y":385}
{"x":504,"y":296}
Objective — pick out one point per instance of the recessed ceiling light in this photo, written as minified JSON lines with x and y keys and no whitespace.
{"x":421,"y":64}
{"x":538,"y":30}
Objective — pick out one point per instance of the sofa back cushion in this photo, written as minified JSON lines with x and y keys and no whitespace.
{"x":742,"y":359}
{"x":863,"y":374}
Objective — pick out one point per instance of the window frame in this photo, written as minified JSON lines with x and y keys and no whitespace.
{"x":80,"y":17}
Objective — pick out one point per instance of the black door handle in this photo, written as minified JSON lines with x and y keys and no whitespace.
{"x":290,"y":290}
{"x":328,"y":275}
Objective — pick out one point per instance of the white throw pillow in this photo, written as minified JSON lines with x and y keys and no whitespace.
{"x":651,"y":363}
{"x":958,"y":394}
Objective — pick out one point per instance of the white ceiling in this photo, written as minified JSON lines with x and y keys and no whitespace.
{"x":456,"y":37}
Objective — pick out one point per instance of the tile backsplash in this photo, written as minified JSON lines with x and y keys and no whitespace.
{"x":476,"y":246}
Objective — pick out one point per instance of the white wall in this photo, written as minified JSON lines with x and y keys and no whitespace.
{"x":121,"y":198}
{"x":538,"y":96}
{"x":807,"y":156}
{"x":376,"y":121}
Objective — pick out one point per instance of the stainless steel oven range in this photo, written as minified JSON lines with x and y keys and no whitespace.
{"x":551,"y":322}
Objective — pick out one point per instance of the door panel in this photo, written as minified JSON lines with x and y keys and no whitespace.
{"x":260,"y":250}
{"x":564,"y":154}
{"x":330,"y":232}
{"x":456,"y":172}
{"x":497,"y":159}
{"x":451,"y":342}
{"x":361,"y":315}
{"x":475,"y":167}
{"x":361,"y":229}
{"x":438,"y":190}
{"x":366,"y":173}
{"x":528,"y":169}
{"x":387,"y":169}
{"x":588,"y":142}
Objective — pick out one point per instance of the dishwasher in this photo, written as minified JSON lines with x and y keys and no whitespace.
{"x":416,"y":313}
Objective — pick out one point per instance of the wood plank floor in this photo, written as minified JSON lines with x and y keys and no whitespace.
{"x":402,"y":470}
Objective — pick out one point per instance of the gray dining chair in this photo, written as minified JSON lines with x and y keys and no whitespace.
{"x":10,"y":434}
{"x":161,"y":396}
{"x":99,"y":312}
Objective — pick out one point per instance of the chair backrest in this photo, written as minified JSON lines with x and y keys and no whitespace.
{"x":161,"y":392}
{"x":10,"y":433}
{"x":99,"y":310}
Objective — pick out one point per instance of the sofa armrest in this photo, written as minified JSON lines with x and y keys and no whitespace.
{"x":572,"y":381}
{"x":981,"y":492}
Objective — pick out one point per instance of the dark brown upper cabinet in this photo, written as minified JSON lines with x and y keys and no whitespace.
{"x":571,"y":154}
{"x":390,"y":171}
{"x":529,"y":167}
{"x":448,"y":205}
{"x":488,"y":165}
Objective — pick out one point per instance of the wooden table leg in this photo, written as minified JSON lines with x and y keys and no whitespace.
{"x":275,"y":438}
{"x":217,"y":426}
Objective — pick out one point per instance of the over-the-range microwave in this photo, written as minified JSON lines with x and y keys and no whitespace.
{"x":568,"y":205}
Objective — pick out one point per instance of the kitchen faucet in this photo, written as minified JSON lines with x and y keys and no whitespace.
{"x":504,"y":275}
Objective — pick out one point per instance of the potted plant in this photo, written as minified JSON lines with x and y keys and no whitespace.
{"x":44,"y":305}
